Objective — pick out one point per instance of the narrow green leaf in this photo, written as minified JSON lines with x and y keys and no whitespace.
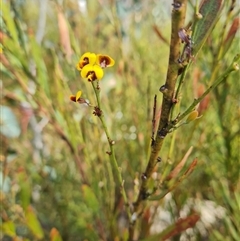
{"x":25,"y":189}
{"x":231,"y":229}
{"x":8,"y":17}
{"x":209,"y":12}
{"x":74,"y":43}
{"x":37,"y":55}
{"x":15,"y":54}
{"x":90,"y":199}
{"x":33,"y":223}
{"x":218,"y":236}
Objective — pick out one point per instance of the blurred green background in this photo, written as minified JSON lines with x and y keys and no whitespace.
{"x":56,"y":181}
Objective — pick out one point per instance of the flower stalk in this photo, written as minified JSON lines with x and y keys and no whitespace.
{"x":115,"y":167}
{"x":91,"y":66}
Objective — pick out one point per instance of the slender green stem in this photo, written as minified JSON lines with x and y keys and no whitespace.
{"x":112,"y":155}
{"x":233,"y":67}
{"x":172,"y":144}
{"x":181,"y":81}
{"x":179,"y":88}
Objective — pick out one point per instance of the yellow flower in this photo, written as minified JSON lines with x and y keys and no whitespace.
{"x":92,"y":72}
{"x":104,"y":61}
{"x":87,"y":58}
{"x":77,"y":97}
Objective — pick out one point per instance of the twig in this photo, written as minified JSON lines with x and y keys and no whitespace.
{"x":178,"y":18}
{"x":154,"y":119}
{"x":233,"y":67}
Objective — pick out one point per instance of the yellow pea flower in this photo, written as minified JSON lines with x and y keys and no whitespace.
{"x":104,"y":61}
{"x":92,"y":72}
{"x":77,"y":97}
{"x":87,"y":58}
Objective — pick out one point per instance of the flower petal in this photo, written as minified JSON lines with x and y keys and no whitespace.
{"x":92,"y":72}
{"x":86,"y":69}
{"x":98,"y":72}
{"x":72,"y":98}
{"x":76,"y":98}
{"x":87,"y":58}
{"x":78,"y":95}
{"x":104,"y":60}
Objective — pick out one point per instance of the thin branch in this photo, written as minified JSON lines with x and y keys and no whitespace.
{"x":178,"y":19}
{"x":233,"y":67}
{"x":154,"y":119}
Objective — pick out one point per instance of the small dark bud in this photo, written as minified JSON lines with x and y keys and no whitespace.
{"x":152,"y":142}
{"x":112,"y":142}
{"x":159,"y":159}
{"x":162,"y":133}
{"x":174,"y":122}
{"x":174,"y":101}
{"x":163,"y":89}
{"x":180,"y":71}
{"x":97,"y":111}
{"x":143,"y":176}
{"x":183,"y":35}
{"x":145,"y":195}
{"x":176,"y":5}
{"x":98,"y":86}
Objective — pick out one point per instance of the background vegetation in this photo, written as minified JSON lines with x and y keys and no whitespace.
{"x":56,"y":178}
